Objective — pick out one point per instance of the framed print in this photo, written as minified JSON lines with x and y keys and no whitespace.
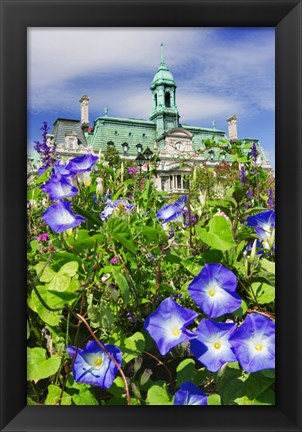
{"x":128,"y":241}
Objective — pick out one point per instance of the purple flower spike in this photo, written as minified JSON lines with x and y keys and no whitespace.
{"x":190,"y":394}
{"x":172,"y":212}
{"x":59,"y":188}
{"x":59,"y":217}
{"x":213,"y":289}
{"x":82,"y":163}
{"x":212,"y":346}
{"x":167,"y":325}
{"x":93,"y":366}
{"x":254,"y":343}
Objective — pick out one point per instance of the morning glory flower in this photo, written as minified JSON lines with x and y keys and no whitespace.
{"x":190,"y":394}
{"x":116,"y":207}
{"x":212,"y":346}
{"x":59,"y":217}
{"x":167,"y":325}
{"x":82,"y":163}
{"x":93,"y":366}
{"x":213,"y":289}
{"x":264,"y":225}
{"x":254,"y":343}
{"x":59,"y":188}
{"x":172,"y":212}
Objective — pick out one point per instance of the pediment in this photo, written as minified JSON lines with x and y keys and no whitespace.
{"x":179,"y":133}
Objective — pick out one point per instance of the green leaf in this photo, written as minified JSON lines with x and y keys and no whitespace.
{"x":265,"y":398}
{"x":44,"y":271}
{"x":32,"y":194}
{"x":214,"y":399}
{"x":119,"y":226}
{"x":268,"y":265}
{"x":241,"y":311}
{"x":158,"y":394}
{"x":125,"y":242}
{"x":61,"y":281}
{"x":101,"y":317}
{"x":186,"y":371}
{"x":238,"y":388}
{"x":219,"y":235}
{"x":27,"y":330}
{"x":131,"y":347}
{"x":38,"y":367}
{"x":53,"y":395}
{"x":82,"y":242}
{"x":84,"y":397}
{"x":88,"y":216}
{"x":265,"y":293}
{"x":122,"y":283}
{"x":117,"y":388}
{"x":51,"y":318}
{"x":154,"y":234}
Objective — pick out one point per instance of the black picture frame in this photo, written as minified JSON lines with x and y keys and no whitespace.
{"x":16,"y":16}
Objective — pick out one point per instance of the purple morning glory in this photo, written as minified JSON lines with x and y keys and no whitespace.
{"x":213,"y":289}
{"x":59,"y":188}
{"x":172,"y":212}
{"x":60,"y":217}
{"x":61,"y":170}
{"x":254,"y":343}
{"x":82,"y":163}
{"x":117,"y":207}
{"x":167,"y":325}
{"x":190,"y":394}
{"x":212,"y":346}
{"x":264,"y":225}
{"x":93,"y":366}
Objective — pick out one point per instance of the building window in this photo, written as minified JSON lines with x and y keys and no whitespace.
{"x":178,"y":182}
{"x":110,"y":144}
{"x":168,"y":99}
{"x":155,"y":99}
{"x":71,"y":140}
{"x":165,"y":183}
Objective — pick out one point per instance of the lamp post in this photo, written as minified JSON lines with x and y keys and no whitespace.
{"x":125,"y":147}
{"x":148,"y":156}
{"x":139,"y":148}
{"x":211,"y":153}
{"x":140,"y":160}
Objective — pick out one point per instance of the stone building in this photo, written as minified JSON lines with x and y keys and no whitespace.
{"x":176,"y":146}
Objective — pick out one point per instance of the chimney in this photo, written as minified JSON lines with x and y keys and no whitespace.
{"x":84,"y":113}
{"x":232,"y":128}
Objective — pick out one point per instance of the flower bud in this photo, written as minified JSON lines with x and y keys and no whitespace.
{"x":137,"y":364}
{"x":145,"y":376}
{"x":253,"y":252}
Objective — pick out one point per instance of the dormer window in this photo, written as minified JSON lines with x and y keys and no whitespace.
{"x":71,"y":140}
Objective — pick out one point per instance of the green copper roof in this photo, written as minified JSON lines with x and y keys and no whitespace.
{"x":120,"y":131}
{"x":63,"y":126}
{"x":163,"y":75}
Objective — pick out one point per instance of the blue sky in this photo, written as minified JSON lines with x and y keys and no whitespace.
{"x":218,"y":72}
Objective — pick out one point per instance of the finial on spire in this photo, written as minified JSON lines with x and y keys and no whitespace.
{"x":106,"y":110}
{"x":162,"y":60}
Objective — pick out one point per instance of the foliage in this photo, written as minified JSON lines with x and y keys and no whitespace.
{"x":108,"y":279}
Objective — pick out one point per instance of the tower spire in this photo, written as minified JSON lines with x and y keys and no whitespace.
{"x":162,"y":60}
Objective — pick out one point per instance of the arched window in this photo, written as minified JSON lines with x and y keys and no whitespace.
{"x":110,"y":144}
{"x":168,"y":99}
{"x":155,"y":99}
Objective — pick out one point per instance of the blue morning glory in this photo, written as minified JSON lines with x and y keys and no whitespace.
{"x":172,"y":212}
{"x":82,"y":163}
{"x":93,"y":366}
{"x":167,"y":325}
{"x":59,"y":217}
{"x":61,"y":170}
{"x":264,"y":225}
{"x":116,"y":207}
{"x":59,"y":188}
{"x":213,"y":289}
{"x":254,"y":343}
{"x":190,"y":394}
{"x":212,"y":346}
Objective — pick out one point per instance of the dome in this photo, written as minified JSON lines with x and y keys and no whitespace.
{"x":162,"y":76}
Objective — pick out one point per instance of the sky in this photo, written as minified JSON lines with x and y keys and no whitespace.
{"x":219,"y":72}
